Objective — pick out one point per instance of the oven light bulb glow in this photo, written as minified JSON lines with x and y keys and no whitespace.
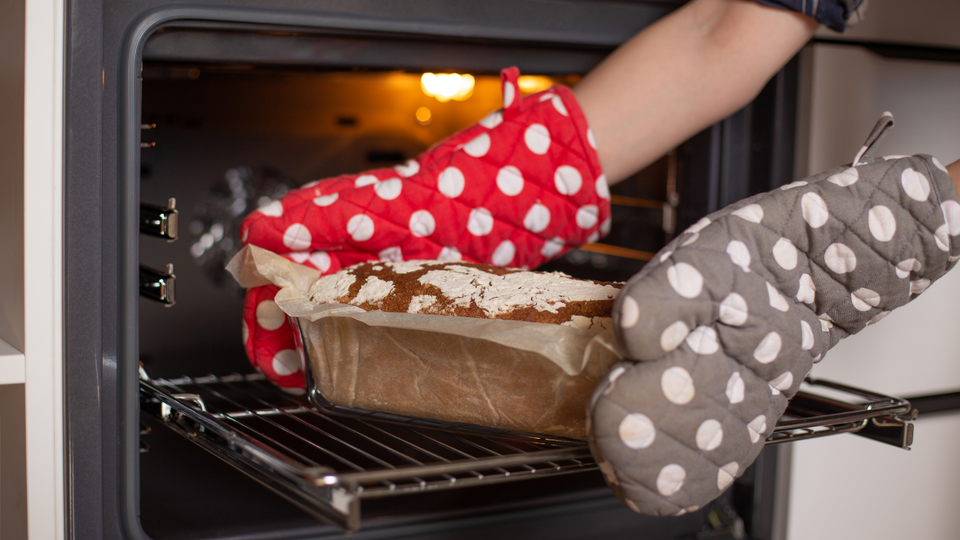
{"x":447,"y":86}
{"x":423,"y":115}
{"x":531,"y":84}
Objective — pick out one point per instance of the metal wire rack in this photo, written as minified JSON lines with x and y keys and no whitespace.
{"x":326,"y":460}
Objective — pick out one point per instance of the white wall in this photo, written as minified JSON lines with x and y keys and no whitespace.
{"x":847,"y":486}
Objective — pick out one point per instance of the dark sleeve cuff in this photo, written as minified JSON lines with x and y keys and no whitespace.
{"x":831,"y":13}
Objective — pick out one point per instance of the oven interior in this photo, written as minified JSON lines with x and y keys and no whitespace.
{"x":232,"y":116}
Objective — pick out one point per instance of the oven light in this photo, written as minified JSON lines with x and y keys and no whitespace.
{"x":447,"y":86}
{"x":531,"y":84}
{"x":423,"y":115}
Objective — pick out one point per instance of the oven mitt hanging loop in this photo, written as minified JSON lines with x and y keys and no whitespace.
{"x":519,"y":188}
{"x":729,"y":318}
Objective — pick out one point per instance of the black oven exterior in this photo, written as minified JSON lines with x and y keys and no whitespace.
{"x":747,"y":153}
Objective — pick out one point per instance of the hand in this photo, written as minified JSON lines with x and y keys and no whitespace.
{"x":521,"y":187}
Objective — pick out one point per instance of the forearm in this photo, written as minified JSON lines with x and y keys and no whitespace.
{"x":954,"y":170}
{"x":696,"y":66}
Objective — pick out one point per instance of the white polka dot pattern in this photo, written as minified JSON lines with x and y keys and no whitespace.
{"x":670,"y":479}
{"x":551,"y":248}
{"x":587,"y":216}
{"x":673,"y":336}
{"x":791,"y":185}
{"x":777,"y":300}
{"x":739,"y":254}
{"x":297,"y":237}
{"x":286,"y":362}
{"x":726,"y":475}
{"x":814,"y":210}
{"x":637,"y":431}
{"x":840,"y":259}
{"x":733,"y":310}
{"x":937,"y":164}
{"x":951,"y":213}
{"x":479,"y":146}
{"x":807,"y":291}
{"x":537,"y":218}
{"x":915,"y":185}
{"x":320,"y":260}
{"x":677,"y":385}
{"x":942,"y":237}
{"x":685,"y":280}
{"x":273,"y":209}
{"x":451,"y":182}
{"x":390,"y":189}
{"x":492,"y":120}
{"x":365,"y":180}
{"x":700,"y":225}
{"x":756,"y":427}
{"x":881,"y":222}
{"x":703,"y":340}
{"x":785,"y":254}
{"x":480,"y":222}
{"x":603,"y":190}
{"x":864,"y":299}
{"x":392,"y":253}
{"x":269,"y":315}
{"x":918,"y":286}
{"x":709,"y":435}
{"x":422,"y":223}
{"x":449,"y":254}
{"x":326,"y":200}
{"x":906,"y":266}
{"x":735,"y":388}
{"x":508,"y":94}
{"x":360,"y":227}
{"x":768,"y":349}
{"x":629,"y":312}
{"x":752,"y":213}
{"x":510,"y":181}
{"x":299,"y":256}
{"x":806,"y":336}
{"x":408,"y":169}
{"x":568,"y":180}
{"x":846,"y":178}
{"x":783,"y":382}
{"x":503,"y":255}
{"x":612,"y":377}
{"x":558,"y":105}
{"x":537,"y":139}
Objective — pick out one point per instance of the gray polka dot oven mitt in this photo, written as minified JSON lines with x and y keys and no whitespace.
{"x":729,"y":318}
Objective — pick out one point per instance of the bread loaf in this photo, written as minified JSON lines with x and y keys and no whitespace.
{"x":470,"y":290}
{"x":421,"y":373}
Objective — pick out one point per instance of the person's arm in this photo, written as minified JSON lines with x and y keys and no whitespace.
{"x":954,"y":171}
{"x":691,"y":69}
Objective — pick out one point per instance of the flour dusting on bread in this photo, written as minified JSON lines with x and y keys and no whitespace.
{"x":470,"y":290}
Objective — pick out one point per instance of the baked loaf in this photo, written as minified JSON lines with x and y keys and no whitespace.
{"x":417,"y":372}
{"x":470,"y":290}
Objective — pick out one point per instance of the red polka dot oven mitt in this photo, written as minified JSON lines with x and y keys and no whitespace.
{"x":730,"y":317}
{"x":519,"y":188}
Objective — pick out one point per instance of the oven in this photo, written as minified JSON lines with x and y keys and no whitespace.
{"x":182,"y":117}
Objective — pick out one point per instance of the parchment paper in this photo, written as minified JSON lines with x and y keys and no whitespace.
{"x":510,"y":374}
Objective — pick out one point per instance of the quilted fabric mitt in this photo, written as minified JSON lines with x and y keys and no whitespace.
{"x":519,"y":188}
{"x":731,"y":316}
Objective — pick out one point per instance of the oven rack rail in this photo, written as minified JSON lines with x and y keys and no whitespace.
{"x":325,"y":460}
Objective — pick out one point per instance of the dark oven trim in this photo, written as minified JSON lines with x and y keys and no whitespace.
{"x":123,"y":292}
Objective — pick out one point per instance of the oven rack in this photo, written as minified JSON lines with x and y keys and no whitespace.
{"x":326,"y":460}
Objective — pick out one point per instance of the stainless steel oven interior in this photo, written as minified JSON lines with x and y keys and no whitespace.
{"x":217,"y":110}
